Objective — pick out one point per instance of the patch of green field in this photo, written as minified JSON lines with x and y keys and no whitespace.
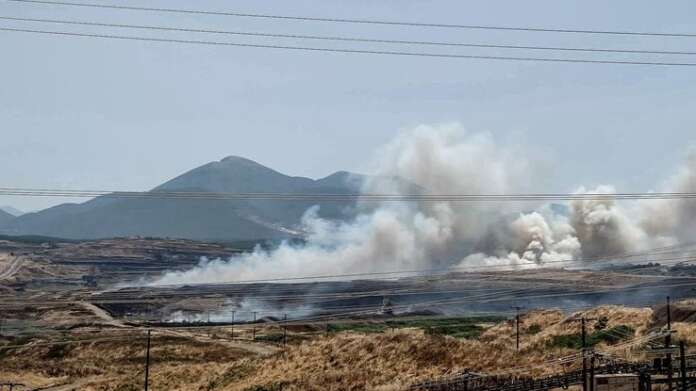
{"x":460,"y":327}
{"x":610,"y":336}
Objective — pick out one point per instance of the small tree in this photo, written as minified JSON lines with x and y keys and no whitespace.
{"x":602,"y":323}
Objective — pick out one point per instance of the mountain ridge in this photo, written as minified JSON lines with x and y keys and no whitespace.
{"x":11,"y":210}
{"x":248,"y":219}
{"x":5,"y":217}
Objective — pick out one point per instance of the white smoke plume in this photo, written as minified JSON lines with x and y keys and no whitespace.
{"x":422,"y":235}
{"x":530,"y":240}
{"x":392,"y":235}
{"x":674,"y":220}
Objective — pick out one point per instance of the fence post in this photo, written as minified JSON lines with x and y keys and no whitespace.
{"x":233,"y":325}
{"x":584,"y":360}
{"x":668,"y":343}
{"x":592,"y":380}
{"x":253,"y":329}
{"x":682,"y":357}
{"x":147,"y":361}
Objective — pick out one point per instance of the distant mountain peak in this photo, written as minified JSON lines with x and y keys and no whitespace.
{"x":206,"y":219}
{"x":5,"y":217}
{"x":13,"y":211}
{"x":351,"y":180}
{"x":238,"y":160}
{"x":340,"y":174}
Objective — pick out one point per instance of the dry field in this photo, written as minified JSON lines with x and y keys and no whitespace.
{"x":348,"y":360}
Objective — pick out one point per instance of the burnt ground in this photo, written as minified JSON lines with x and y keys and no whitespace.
{"x":51,"y":276}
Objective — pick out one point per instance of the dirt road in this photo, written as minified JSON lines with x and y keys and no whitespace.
{"x":101,"y":314}
{"x":70,"y":386}
{"x":259,"y":348}
{"x":11,"y":268}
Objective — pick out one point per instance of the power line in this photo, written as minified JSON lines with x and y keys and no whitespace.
{"x":385,"y":274}
{"x":449,"y":302}
{"x":67,"y":342}
{"x":122,"y":297}
{"x":355,"y":21}
{"x":349,"y":51}
{"x":345,"y":39}
{"x":421,"y":273}
{"x":13,"y":191}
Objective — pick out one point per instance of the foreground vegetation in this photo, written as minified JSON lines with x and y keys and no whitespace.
{"x":459,"y":327}
{"x":352,"y":356}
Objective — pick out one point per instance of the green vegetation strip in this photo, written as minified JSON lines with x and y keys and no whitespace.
{"x":464,"y":327}
{"x":610,"y":336}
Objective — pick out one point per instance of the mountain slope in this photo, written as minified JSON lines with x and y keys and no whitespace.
{"x":11,"y":210}
{"x":5,"y":217}
{"x":197,"y":219}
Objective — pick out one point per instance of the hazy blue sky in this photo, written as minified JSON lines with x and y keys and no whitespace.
{"x":93,"y":113}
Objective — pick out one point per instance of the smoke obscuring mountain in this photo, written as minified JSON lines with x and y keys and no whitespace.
{"x":197,"y":219}
{"x":421,"y":234}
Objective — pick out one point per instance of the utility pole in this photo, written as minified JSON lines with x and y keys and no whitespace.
{"x":517,"y":324}
{"x":682,"y":365}
{"x":668,"y":345}
{"x":253,"y":328}
{"x":584,"y":360}
{"x":583,"y":321}
{"x":233,"y":312}
{"x":592,"y":364}
{"x":147,"y":361}
{"x":285,"y":329}
{"x":327,"y":328}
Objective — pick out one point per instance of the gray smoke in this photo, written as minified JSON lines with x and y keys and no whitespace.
{"x":673,"y":220}
{"x":422,"y":235}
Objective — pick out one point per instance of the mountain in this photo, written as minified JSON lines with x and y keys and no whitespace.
{"x":206,"y":219}
{"x":11,"y":210}
{"x":5,"y":217}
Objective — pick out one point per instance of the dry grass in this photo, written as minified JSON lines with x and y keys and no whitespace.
{"x":342,"y":361}
{"x":392,"y":360}
{"x":178,"y":363}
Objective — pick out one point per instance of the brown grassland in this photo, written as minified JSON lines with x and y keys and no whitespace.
{"x":347,"y":360}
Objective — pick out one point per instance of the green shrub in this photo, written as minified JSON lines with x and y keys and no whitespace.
{"x":534,"y":329}
{"x":610,"y":336}
{"x":267,"y":387}
{"x":57,"y":352}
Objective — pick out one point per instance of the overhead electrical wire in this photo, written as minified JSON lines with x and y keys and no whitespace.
{"x":340,"y":314}
{"x":424,"y":272}
{"x":68,"y":342}
{"x":503,"y":299}
{"x":458,"y":301}
{"x":354,"y":21}
{"x":140,"y":296}
{"x":493,"y":296}
{"x":625,"y":256}
{"x":307,"y":297}
{"x":348,"y":51}
{"x":280,"y":292}
{"x":509,"y":295}
{"x":29,"y":192}
{"x":345,"y":39}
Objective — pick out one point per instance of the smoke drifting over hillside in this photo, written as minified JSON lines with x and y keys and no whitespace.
{"x":423,"y":235}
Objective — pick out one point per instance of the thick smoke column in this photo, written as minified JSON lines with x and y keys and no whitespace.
{"x":393,"y":235}
{"x":421,"y":235}
{"x":674,"y":220}
{"x":604,"y":228}
{"x":529,"y":240}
